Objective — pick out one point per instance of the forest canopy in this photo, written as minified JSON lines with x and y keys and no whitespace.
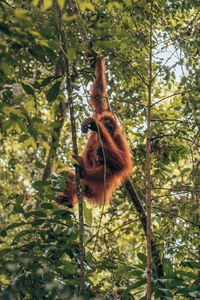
{"x":48,"y":50}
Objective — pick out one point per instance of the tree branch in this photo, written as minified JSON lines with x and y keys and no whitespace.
{"x":157,"y":263}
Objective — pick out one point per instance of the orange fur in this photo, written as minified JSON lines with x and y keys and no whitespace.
{"x":117,"y":152}
{"x":98,"y":95}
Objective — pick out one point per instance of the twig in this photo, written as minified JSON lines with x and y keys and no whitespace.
{"x":177,"y":245}
{"x":175,"y":190}
{"x":177,"y":216}
{"x":171,"y":120}
{"x":181,"y":138}
{"x":127,"y":61}
{"x":163,"y":65}
{"x":121,"y":226}
{"x":167,"y":195}
{"x":175,"y":94}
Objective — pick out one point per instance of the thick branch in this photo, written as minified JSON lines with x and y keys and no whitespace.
{"x":157,"y":264}
{"x":63,"y":46}
{"x":148,"y":163}
{"x":77,"y":171}
{"x":54,"y":143}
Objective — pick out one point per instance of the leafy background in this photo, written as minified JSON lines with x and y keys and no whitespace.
{"x":39,"y":239}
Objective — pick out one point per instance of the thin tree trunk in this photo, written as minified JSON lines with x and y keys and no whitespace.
{"x":77,"y":170}
{"x":63,"y":45}
{"x":157,"y":263}
{"x":52,"y":151}
{"x":148,"y":166}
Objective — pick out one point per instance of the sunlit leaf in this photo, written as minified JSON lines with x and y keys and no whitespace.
{"x":35,"y":2}
{"x":87,"y":215}
{"x":114,"y":5}
{"x":61,"y":3}
{"x":86,"y":5}
{"x":46,"y":4}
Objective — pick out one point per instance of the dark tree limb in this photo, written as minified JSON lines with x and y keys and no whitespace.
{"x":55,"y":137}
{"x":157,"y":263}
{"x":67,"y":72}
{"x":77,"y":169}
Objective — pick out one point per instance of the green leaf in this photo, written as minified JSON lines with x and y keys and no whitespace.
{"x":187,"y":274}
{"x":37,"y":222}
{"x":114,"y":4}
{"x":142,"y":257}
{"x":36,"y":85}
{"x":46,"y":5}
{"x":68,"y":268}
{"x":175,"y":157}
{"x":3,"y":233}
{"x":40,"y":213}
{"x":86,"y":5}
{"x":38,"y":185}
{"x":13,"y":196}
{"x":35,"y":2}
{"x":191,"y":264}
{"x":6,"y":68}
{"x":18,"y":209}
{"x":165,"y":158}
{"x":14,"y":225}
{"x":87,"y":215}
{"x":39,"y":165}
{"x":61,"y":212}
{"x":167,"y":266}
{"x":19,"y":199}
{"x":6,"y":124}
{"x":28,"y":89}
{"x":53,"y":92}
{"x":128,"y":2}
{"x":186,"y":170}
{"x":22,"y":233}
{"x":4,"y":251}
{"x":47,"y":205}
{"x":38,"y":52}
{"x":123,"y":269}
{"x":136,"y":273}
{"x":134,"y":286}
{"x":29,"y":214}
{"x":71,"y":53}
{"x":50,"y":197}
{"x":4,"y":27}
{"x":33,"y":132}
{"x":50,"y":53}
{"x":47,"y":80}
{"x":23,"y":138}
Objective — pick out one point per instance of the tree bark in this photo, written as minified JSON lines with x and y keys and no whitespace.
{"x":63,"y":45}
{"x":157,"y":264}
{"x":148,"y":165}
{"x":77,"y":170}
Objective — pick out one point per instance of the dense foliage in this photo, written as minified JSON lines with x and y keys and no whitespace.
{"x":39,"y":246}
